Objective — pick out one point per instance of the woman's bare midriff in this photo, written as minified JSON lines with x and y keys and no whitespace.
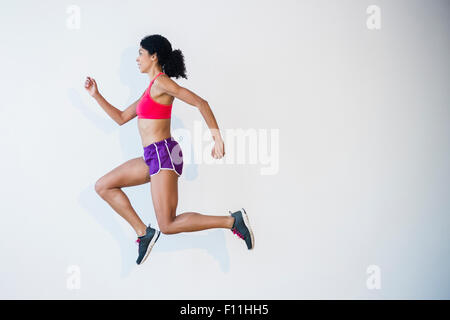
{"x":153,"y":130}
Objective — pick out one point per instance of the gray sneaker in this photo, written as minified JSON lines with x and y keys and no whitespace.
{"x":241,"y":228}
{"x":146,"y":243}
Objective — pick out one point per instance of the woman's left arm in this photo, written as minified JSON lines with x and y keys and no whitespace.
{"x":171,"y":87}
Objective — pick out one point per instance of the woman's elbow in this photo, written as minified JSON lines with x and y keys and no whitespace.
{"x":120,"y":120}
{"x":202,"y":104}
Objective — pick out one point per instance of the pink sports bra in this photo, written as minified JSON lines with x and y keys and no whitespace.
{"x":148,"y":108}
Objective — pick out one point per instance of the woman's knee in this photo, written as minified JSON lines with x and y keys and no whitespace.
{"x":101,"y":187}
{"x":166,"y":229}
{"x":166,"y":226}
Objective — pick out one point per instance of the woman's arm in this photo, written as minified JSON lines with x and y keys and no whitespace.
{"x":121,"y":117}
{"x":112,"y":111}
{"x":171,"y":87}
{"x":130,"y":112}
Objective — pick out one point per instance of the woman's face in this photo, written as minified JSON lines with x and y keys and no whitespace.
{"x":145,"y":60}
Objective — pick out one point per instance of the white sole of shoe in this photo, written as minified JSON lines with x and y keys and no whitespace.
{"x":150,"y":246}
{"x":247,"y":224}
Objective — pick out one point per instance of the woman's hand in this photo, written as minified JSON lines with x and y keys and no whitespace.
{"x":218,"y":150}
{"x":91,"y":86}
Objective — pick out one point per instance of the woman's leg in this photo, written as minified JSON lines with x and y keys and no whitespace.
{"x":131,"y":173}
{"x":164,"y":189}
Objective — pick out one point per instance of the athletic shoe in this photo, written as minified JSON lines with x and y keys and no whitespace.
{"x":241,"y":228}
{"x":146,"y":243}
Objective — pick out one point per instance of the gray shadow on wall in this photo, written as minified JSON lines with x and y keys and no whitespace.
{"x":213,"y":240}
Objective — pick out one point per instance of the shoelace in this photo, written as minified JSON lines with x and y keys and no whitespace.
{"x":238,"y":233}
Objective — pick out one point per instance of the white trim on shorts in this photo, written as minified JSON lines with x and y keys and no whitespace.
{"x":159,"y":160}
{"x":168,"y":151}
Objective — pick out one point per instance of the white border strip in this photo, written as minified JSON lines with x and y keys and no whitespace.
{"x":171,"y":161}
{"x":159,"y":160}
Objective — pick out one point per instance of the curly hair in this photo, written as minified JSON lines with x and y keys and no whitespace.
{"x":172,"y":62}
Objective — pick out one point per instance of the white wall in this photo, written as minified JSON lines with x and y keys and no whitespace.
{"x":363,"y":149}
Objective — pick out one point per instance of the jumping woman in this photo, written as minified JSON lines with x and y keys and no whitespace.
{"x":162,"y":161}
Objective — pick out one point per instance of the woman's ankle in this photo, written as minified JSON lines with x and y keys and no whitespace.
{"x":141,"y":231}
{"x":231,"y":222}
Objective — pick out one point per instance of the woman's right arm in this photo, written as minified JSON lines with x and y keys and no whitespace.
{"x":130,"y":112}
{"x":112,"y":111}
{"x":121,"y":117}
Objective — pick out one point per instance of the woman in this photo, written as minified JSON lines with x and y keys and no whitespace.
{"x":162,"y":163}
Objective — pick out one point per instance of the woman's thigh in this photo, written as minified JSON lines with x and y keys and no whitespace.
{"x":164,"y":189}
{"x":130,"y":173}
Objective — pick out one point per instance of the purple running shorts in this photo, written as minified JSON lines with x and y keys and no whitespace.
{"x":164,"y":155}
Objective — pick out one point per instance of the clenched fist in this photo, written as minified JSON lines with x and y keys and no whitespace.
{"x":91,"y":86}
